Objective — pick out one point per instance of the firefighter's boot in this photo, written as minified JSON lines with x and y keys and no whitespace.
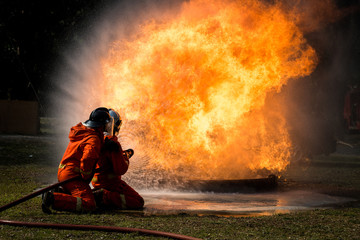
{"x":98,"y":195}
{"x":47,"y":202}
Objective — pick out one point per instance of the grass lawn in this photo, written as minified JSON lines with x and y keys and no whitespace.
{"x":26,"y":164}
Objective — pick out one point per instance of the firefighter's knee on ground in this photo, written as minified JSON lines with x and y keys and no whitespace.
{"x":88,"y":205}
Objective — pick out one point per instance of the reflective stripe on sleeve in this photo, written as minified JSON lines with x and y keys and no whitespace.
{"x":62,"y":166}
{"x":95,"y":179}
{"x":85,"y":173}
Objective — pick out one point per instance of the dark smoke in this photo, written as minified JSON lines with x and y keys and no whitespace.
{"x":316,"y":104}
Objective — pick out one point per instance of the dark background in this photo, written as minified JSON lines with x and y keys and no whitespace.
{"x":33,"y":37}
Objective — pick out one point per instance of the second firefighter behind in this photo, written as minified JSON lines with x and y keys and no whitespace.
{"x":109,"y":189}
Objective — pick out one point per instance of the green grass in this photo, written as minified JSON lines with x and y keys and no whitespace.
{"x":21,"y":174}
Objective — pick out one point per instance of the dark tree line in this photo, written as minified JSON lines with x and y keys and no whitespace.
{"x":32,"y":36}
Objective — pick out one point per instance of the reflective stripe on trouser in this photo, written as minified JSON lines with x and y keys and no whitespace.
{"x":122,"y":196}
{"x":80,"y":199}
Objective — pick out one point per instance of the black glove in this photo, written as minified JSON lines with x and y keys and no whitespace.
{"x":111,"y":146}
{"x":129,"y":153}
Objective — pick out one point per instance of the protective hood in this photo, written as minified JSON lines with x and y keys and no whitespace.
{"x":80,"y":131}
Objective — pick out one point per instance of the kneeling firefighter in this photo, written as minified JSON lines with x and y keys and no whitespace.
{"x":79,"y":159}
{"x":110,"y":190}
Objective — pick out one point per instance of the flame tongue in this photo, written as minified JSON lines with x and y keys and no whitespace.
{"x":197,"y":88}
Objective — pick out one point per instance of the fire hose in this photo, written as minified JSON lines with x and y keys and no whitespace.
{"x":81,"y":227}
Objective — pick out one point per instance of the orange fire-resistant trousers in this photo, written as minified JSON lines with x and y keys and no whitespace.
{"x":120,"y":195}
{"x":80,"y":200}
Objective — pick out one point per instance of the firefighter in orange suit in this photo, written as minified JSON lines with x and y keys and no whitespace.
{"x":80,"y":158}
{"x":110,"y":190}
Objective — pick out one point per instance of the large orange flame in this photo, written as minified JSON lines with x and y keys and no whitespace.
{"x":195,"y":89}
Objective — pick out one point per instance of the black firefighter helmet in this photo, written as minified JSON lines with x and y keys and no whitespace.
{"x":98,"y":118}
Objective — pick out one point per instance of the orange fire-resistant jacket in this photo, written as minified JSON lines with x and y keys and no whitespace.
{"x":110,"y":167}
{"x":81,"y":154}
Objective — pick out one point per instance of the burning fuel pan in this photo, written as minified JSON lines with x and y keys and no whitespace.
{"x":233,"y":186}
